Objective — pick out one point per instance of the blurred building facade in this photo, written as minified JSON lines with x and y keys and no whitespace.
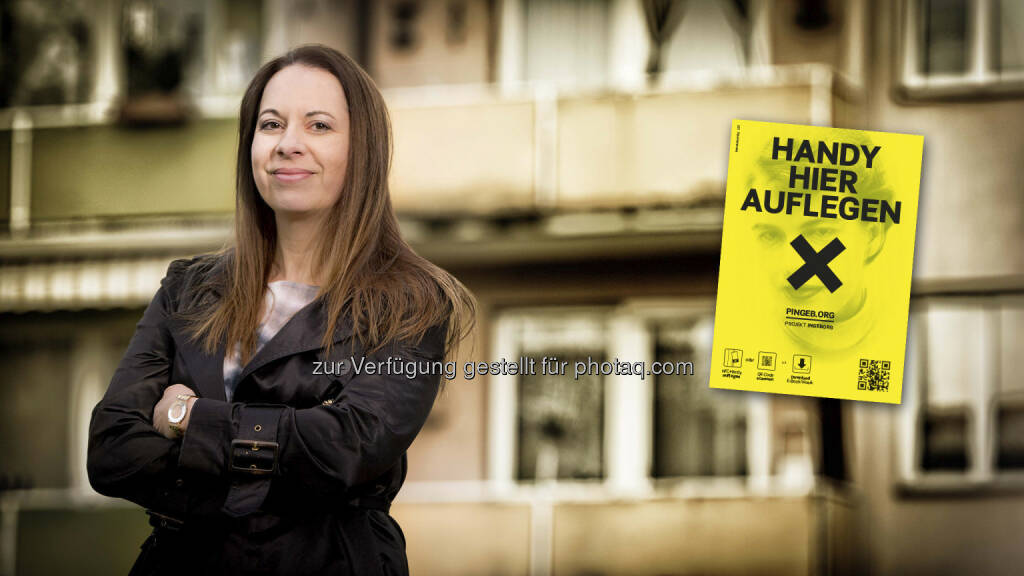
{"x":570,"y":169}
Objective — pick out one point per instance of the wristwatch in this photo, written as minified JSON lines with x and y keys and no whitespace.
{"x":176,"y":413}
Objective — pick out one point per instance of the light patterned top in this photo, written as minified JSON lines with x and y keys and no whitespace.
{"x":282,"y":300}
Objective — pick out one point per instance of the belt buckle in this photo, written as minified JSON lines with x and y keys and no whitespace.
{"x":247,"y":447}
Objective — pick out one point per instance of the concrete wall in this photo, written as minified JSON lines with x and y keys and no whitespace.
{"x":971,"y":225}
{"x":684,"y":537}
{"x":660,"y":147}
{"x":974,"y":533}
{"x":971,"y":220}
{"x":466,"y":538}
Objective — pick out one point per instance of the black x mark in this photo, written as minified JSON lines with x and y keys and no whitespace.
{"x":816,"y":263}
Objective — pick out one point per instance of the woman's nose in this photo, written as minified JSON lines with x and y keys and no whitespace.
{"x":290,"y":143}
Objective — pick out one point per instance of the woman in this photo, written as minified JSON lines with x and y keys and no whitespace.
{"x":273,"y":455}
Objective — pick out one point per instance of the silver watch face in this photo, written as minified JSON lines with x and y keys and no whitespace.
{"x":176,"y":413}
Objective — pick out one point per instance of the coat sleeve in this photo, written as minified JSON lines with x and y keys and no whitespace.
{"x":127,"y":457}
{"x":328,"y":450}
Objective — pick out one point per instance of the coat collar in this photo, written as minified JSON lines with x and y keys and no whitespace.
{"x":302,"y":332}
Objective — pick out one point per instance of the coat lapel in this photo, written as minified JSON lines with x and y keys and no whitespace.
{"x":301,"y":333}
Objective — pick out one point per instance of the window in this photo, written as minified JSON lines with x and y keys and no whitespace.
{"x":964,"y":413}
{"x":236,"y":49}
{"x":560,"y":416}
{"x":456,"y":23}
{"x":59,"y":364}
{"x":962,"y":47}
{"x":567,"y":41}
{"x":698,"y":431}
{"x":711,"y":35}
{"x":622,"y":430}
{"x":943,"y":37}
{"x":154,"y":58}
{"x":46,"y":53}
{"x":955,"y":335}
{"x":403,"y":22}
{"x":596,"y":43}
{"x":36,"y":459}
{"x":1008,"y":36}
{"x":205,"y":51}
{"x":1008,"y":401}
{"x":160,"y":49}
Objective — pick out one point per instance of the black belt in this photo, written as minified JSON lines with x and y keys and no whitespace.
{"x":252,"y":459}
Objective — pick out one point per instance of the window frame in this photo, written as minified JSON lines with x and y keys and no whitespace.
{"x":629,"y":412}
{"x":979,"y":79}
{"x":981,"y":476}
{"x":628,"y":40}
{"x":109,"y":74}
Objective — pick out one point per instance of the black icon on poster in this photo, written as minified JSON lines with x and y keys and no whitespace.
{"x":733,"y":358}
{"x":816,"y":263}
{"x":801,"y":363}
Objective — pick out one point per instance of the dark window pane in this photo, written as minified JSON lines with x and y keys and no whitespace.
{"x":41,"y":420}
{"x":34,"y":415}
{"x":832,"y":449}
{"x":404,"y":16}
{"x":239,"y":45}
{"x":698,"y":431}
{"x":946,"y":436}
{"x":561,"y":421}
{"x":161,"y":45}
{"x":1008,"y":36}
{"x":456,"y":30}
{"x":944,"y":36}
{"x":1010,"y":436}
{"x":46,"y":53}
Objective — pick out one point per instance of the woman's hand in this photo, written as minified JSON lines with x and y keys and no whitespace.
{"x":160,"y":410}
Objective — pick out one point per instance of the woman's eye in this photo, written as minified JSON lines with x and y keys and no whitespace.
{"x":269,"y":125}
{"x":321,"y":126}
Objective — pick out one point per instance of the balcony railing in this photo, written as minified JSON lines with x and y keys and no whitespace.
{"x":477,"y":150}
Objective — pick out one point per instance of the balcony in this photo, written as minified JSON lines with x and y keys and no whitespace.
{"x":480,"y":174}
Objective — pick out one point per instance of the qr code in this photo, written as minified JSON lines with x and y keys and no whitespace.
{"x":874,"y":375}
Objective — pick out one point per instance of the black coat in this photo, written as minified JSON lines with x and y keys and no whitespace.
{"x":313,"y":497}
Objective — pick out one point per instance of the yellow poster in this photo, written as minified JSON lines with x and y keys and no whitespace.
{"x":817,"y":251}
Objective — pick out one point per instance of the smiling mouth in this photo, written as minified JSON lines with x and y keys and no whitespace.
{"x":291,"y":176}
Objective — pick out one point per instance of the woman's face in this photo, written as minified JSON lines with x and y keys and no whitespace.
{"x":300,"y":147}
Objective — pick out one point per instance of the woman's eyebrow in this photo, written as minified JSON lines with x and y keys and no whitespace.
{"x":315,"y":112}
{"x":308,"y":114}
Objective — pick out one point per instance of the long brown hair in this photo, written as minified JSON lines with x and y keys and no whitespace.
{"x":390,"y":292}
